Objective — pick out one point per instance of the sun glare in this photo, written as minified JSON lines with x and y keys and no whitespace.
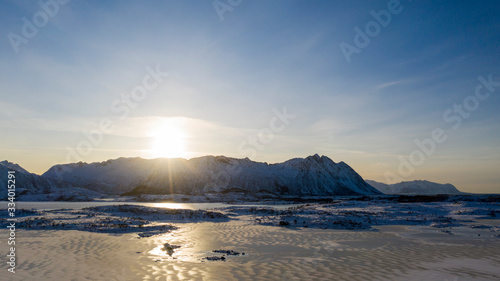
{"x":168,"y":142}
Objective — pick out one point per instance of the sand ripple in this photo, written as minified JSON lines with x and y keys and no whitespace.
{"x":272,"y":253}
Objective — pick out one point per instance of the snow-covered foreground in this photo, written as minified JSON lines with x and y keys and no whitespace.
{"x":389,"y":239}
{"x":356,"y":214}
{"x":146,"y":221}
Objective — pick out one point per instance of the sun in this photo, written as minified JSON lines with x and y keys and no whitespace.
{"x":167,"y":142}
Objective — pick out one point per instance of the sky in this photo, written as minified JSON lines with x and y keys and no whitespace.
{"x":399,"y":90}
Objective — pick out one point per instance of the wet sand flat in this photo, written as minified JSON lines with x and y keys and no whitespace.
{"x":271,"y":253}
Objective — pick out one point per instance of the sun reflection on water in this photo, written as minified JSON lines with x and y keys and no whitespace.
{"x":171,"y":205}
{"x":183,"y":247}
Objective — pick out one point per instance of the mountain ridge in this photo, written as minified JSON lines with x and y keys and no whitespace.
{"x":416,"y":187}
{"x":313,"y":175}
{"x":38,"y":188}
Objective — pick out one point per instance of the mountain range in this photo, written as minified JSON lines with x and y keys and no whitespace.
{"x":311,"y":176}
{"x":29,"y":186}
{"x":314,"y":175}
{"x":414,"y":187}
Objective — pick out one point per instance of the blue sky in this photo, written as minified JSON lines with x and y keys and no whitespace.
{"x":229,"y":74}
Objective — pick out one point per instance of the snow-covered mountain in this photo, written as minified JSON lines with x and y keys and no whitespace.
{"x":112,"y":176}
{"x":14,"y":167}
{"x":313,"y":175}
{"x":29,"y":186}
{"x":414,"y":187}
{"x":26,"y":182}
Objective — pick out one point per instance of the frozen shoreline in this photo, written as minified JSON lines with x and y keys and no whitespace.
{"x":271,"y":253}
{"x":354,"y":214}
{"x":342,"y":240}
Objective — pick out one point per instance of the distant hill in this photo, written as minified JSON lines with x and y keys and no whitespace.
{"x":313,"y":175}
{"x":30,"y":186}
{"x":414,"y":187}
{"x":26,"y":182}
